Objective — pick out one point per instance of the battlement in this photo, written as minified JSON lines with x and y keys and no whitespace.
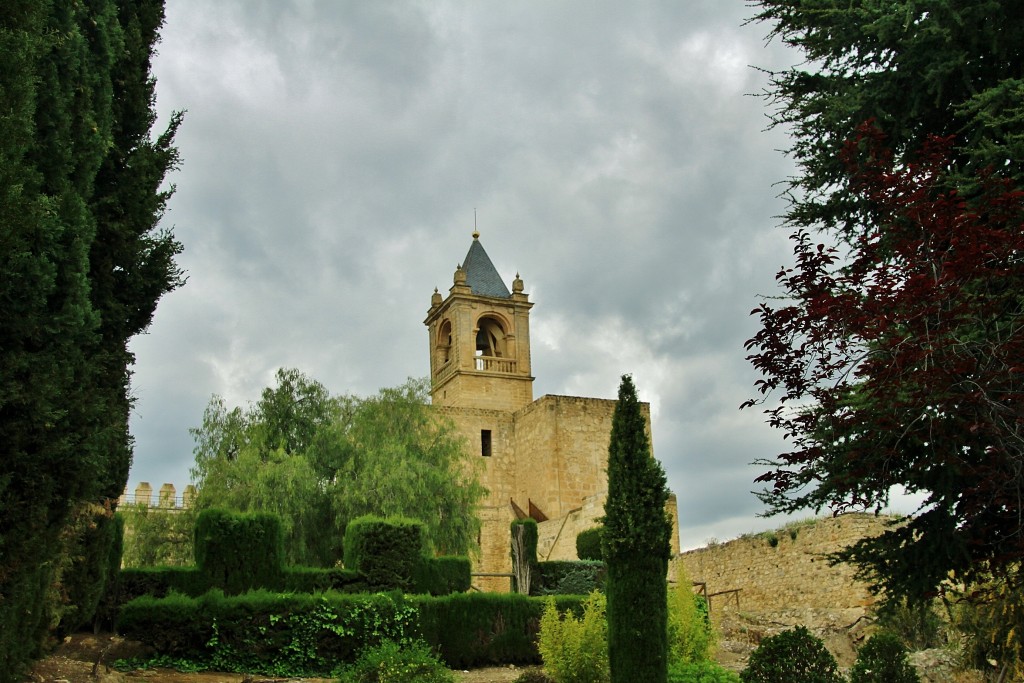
{"x":166,"y":497}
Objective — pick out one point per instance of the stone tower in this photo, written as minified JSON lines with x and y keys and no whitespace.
{"x":480,"y":339}
{"x":543,"y":458}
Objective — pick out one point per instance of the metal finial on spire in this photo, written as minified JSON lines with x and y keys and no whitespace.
{"x":476,"y":233}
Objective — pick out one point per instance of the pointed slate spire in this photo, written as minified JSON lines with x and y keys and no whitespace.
{"x":481,"y":275}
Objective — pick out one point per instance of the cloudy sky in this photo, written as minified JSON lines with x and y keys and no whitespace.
{"x":334,"y":154}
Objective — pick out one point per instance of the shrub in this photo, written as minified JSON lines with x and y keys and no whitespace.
{"x":793,"y":656}
{"x":443,"y":575}
{"x":575,"y":650}
{"x":239,"y":552}
{"x":883,"y":659}
{"x":480,"y":629}
{"x":392,"y":662}
{"x":691,"y":637}
{"x":917,"y":625}
{"x":588,"y":544}
{"x":269,"y":633}
{"x":570,"y":577}
{"x":386,"y":552}
{"x":700,"y":672}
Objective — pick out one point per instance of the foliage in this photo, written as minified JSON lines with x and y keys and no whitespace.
{"x":883,"y":659}
{"x":905,"y":359}
{"x":793,"y":656}
{"x":571,"y":577}
{"x":917,"y":624}
{"x":386,"y":552}
{"x":636,"y":547}
{"x":588,"y":544}
{"x":90,"y":560}
{"x":78,"y":102}
{"x":575,"y":650}
{"x":942,"y":68}
{"x":443,"y":575}
{"x":486,"y":629}
{"x":700,"y":672}
{"x":304,"y":634}
{"x":320,"y":461}
{"x":525,"y":569}
{"x":898,"y":359}
{"x":691,"y":636}
{"x":156,"y":536}
{"x":391,"y":662}
{"x":988,"y":615}
{"x":239,"y":552}
{"x":262,"y":632}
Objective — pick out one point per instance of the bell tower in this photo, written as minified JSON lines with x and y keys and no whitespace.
{"x":480,"y":338}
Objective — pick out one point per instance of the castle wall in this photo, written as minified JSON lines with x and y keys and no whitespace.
{"x":791,"y":574}
{"x":562,"y":451}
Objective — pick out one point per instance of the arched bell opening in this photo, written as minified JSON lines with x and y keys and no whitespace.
{"x":490,"y":338}
{"x":493,"y":346}
{"x":444,"y":342}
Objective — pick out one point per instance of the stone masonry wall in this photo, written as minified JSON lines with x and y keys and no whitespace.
{"x":792,"y":573}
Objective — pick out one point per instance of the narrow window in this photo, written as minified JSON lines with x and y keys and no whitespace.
{"x":485,"y":443}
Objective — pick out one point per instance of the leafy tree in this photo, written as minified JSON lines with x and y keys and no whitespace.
{"x":157,"y":536}
{"x":942,"y":68}
{"x":897,"y":354}
{"x":636,"y":548}
{"x":320,"y":461}
{"x":63,"y":379}
{"x":910,"y":356}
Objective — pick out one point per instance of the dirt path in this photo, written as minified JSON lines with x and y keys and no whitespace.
{"x":76,"y":659}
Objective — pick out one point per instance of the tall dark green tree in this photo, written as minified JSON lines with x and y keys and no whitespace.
{"x":902,"y":321}
{"x":636,"y":545}
{"x":915,"y":69}
{"x":62,"y":89}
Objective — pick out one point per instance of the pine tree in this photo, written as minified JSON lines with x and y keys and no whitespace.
{"x":636,"y":543}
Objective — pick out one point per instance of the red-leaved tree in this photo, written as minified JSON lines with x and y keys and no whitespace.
{"x":898,"y":356}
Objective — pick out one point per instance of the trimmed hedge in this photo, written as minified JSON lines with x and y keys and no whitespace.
{"x":588,"y":544}
{"x":303,"y":634}
{"x":237,"y":552}
{"x":485,"y":629}
{"x":270,"y":633}
{"x":387,"y":552}
{"x":443,"y":575}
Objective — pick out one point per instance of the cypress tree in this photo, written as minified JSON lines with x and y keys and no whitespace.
{"x":69,"y":71}
{"x":636,"y":543}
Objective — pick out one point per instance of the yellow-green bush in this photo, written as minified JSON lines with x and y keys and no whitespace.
{"x":575,"y":650}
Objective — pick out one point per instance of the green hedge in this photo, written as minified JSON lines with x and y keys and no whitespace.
{"x":387,"y":552}
{"x":485,"y":629}
{"x":307,"y":635}
{"x":443,"y":575}
{"x":239,"y":552}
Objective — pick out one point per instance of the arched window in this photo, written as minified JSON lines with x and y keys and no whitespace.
{"x":490,"y":338}
{"x":444,"y":341}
